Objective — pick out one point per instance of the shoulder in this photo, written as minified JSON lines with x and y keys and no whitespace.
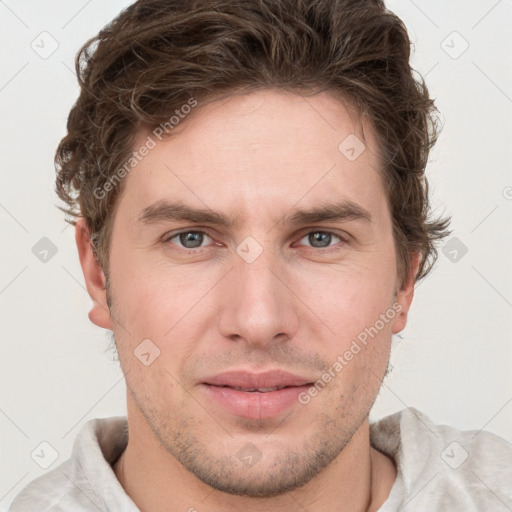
{"x":82,"y":482}
{"x":51,"y":492}
{"x":442,"y":466}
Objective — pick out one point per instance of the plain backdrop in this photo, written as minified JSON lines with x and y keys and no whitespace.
{"x":453,"y":361}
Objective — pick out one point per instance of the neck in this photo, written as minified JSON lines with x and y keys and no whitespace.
{"x":358,"y":480}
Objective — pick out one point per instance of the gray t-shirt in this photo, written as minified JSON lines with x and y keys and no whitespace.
{"x":439,"y":468}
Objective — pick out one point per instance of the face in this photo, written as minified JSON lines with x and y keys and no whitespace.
{"x":286,"y":278}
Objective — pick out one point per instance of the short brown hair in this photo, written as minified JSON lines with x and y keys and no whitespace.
{"x":157,"y":54}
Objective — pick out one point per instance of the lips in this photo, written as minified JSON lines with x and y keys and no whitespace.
{"x":255,"y":395}
{"x":257,"y":381}
{"x":259,"y":390}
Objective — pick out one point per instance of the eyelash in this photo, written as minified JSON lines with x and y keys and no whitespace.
{"x":197,"y":249}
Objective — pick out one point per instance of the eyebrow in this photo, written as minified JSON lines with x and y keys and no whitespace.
{"x":343,"y":211}
{"x":165,"y":210}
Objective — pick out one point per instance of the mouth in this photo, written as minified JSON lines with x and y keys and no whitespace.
{"x":256,"y":396}
{"x":256,"y":390}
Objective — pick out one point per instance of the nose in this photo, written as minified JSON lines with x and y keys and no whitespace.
{"x":260,"y":306}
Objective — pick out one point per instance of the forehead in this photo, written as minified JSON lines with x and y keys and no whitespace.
{"x":251,"y":153}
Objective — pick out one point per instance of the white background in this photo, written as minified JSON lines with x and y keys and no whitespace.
{"x":454,"y":361}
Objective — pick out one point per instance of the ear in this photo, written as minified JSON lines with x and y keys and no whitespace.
{"x":94,"y":276}
{"x":405,"y":295}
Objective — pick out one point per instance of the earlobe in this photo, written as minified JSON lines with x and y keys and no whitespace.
{"x":93,"y":275}
{"x":405,"y":295}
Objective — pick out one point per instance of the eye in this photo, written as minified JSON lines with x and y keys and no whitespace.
{"x":189,"y":239}
{"x":321,"y":239}
{"x":195,"y":239}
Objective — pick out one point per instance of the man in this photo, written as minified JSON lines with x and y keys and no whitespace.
{"x":251,"y":218}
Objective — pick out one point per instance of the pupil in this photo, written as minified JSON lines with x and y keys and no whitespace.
{"x":192,"y":236}
{"x":319,"y":237}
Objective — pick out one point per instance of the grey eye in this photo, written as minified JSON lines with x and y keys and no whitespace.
{"x":320,"y":239}
{"x":190,"y":239}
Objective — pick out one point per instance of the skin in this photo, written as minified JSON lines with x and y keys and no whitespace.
{"x":297,"y":307}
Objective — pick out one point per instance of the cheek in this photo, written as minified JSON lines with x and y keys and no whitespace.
{"x":168,"y":305}
{"x":348,"y":298}
{"x":148,"y":290}
{"x":358,"y":309}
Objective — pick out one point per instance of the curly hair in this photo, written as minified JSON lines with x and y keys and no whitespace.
{"x":158,"y":54}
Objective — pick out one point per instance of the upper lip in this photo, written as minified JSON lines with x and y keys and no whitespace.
{"x":268,"y":379}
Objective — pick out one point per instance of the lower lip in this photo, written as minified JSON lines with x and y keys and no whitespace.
{"x":255,"y":405}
